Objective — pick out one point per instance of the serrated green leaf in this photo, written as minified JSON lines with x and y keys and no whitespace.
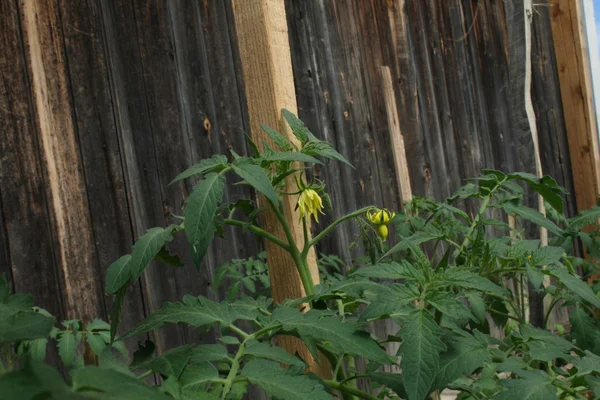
{"x":584,"y":330}
{"x":171,"y":363}
{"x":298,"y":128}
{"x":533,"y":216}
{"x":534,"y":385}
{"x":118,"y":274}
{"x":278,"y":138}
{"x":112,"y":384}
{"x":342,"y":336}
{"x":97,"y":325}
{"x":324,"y":149}
{"x":588,"y":363}
{"x":257,"y":178}
{"x":35,"y":381}
{"x":196,"y":376}
{"x":213,"y":164}
{"x":586,"y":217}
{"x":209,"y":352}
{"x":544,"y":345}
{"x":535,"y":276}
{"x":390,"y":300}
{"x":477,"y":306}
{"x":165,"y":257}
{"x":263,"y":350}
{"x":283,"y":384}
{"x":420,"y":351}
{"x":546,"y":255}
{"x":290,"y":156}
{"x":392,"y":381}
{"x":594,"y":383}
{"x":194,"y":311}
{"x":466,"y":354}
{"x":546,"y":186}
{"x":67,"y":345}
{"x":390,"y":270}
{"x":469,"y":280}
{"x":200,"y":212}
{"x":37,"y":349}
{"x":96,"y":342}
{"x":17,"y":324}
{"x":451,"y":307}
{"x":574,"y":283}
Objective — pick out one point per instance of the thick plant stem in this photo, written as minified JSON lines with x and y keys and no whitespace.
{"x":299,"y":259}
{"x":349,"y":390}
{"x":235,"y":365}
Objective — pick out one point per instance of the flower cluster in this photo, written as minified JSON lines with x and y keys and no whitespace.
{"x":381,"y":218}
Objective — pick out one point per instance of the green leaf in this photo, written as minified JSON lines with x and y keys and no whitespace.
{"x":466,"y":354}
{"x":196,"y":376}
{"x":257,"y":178}
{"x":229,"y":340}
{"x":17,"y":324}
{"x":477,"y":306}
{"x":545,"y":186}
{"x":323,"y":149}
{"x":544,"y":345}
{"x":584,"y":330}
{"x":209,"y":352}
{"x":574,"y":283}
{"x":469,"y":280}
{"x":278,"y":138}
{"x":392,"y":381}
{"x":96,"y":342}
{"x":35,"y":381}
{"x":588,"y":363}
{"x":128,"y":269}
{"x":37,"y":349}
{"x":97,"y":325}
{"x":194,"y":311}
{"x":342,"y":336}
{"x":112,"y":384}
{"x":390,"y":270}
{"x":200,"y":212}
{"x":165,"y":257}
{"x":214,"y":164}
{"x":390,"y":300}
{"x":535,"y":276}
{"x":534,"y":385}
{"x":290,"y":156}
{"x":171,"y":363}
{"x":546,"y":255}
{"x":451,"y":307}
{"x":283,"y":384}
{"x":420,"y":351}
{"x":586,"y":217}
{"x":533,"y":216}
{"x":143,"y":354}
{"x":298,"y":128}
{"x":67,"y":345}
{"x":263,"y":350}
{"x":465,"y":192}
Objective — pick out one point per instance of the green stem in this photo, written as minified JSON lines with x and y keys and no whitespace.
{"x":504,"y":314}
{"x":328,"y":229}
{"x":145,"y":375}
{"x":299,"y":259}
{"x":350,"y":390}
{"x":258,"y":231}
{"x":235,"y":365}
{"x":568,"y":389}
{"x":477,"y":218}
{"x":240,"y":332}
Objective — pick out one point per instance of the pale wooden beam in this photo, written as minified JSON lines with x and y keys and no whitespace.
{"x":572,"y":57}
{"x":262,"y":36}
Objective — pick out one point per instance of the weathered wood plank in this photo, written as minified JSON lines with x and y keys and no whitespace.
{"x":62,"y":167}
{"x":99,"y":143}
{"x":572,"y":60}
{"x":137,"y":129}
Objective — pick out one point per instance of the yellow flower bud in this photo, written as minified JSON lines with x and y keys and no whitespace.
{"x":383,"y":231}
{"x":309,"y":203}
{"x":380,"y":218}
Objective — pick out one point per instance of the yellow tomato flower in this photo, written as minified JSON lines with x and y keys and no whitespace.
{"x":309,"y":203}
{"x":381,"y":218}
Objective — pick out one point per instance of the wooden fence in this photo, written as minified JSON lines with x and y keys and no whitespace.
{"x":103,"y":102}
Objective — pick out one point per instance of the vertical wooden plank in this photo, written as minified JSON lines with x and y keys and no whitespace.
{"x":572,"y":58}
{"x":396,"y":136}
{"x":26,"y":222}
{"x":262,"y":37}
{"x":62,"y":167}
{"x":99,"y":144}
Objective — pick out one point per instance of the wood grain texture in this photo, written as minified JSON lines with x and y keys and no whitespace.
{"x":71,"y":225}
{"x":572,"y":57}
{"x":263,"y":42}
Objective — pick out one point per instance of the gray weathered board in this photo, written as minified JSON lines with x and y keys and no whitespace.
{"x":148,"y":88}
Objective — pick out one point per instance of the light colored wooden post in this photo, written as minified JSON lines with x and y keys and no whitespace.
{"x":572,"y":57}
{"x":262,"y":36}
